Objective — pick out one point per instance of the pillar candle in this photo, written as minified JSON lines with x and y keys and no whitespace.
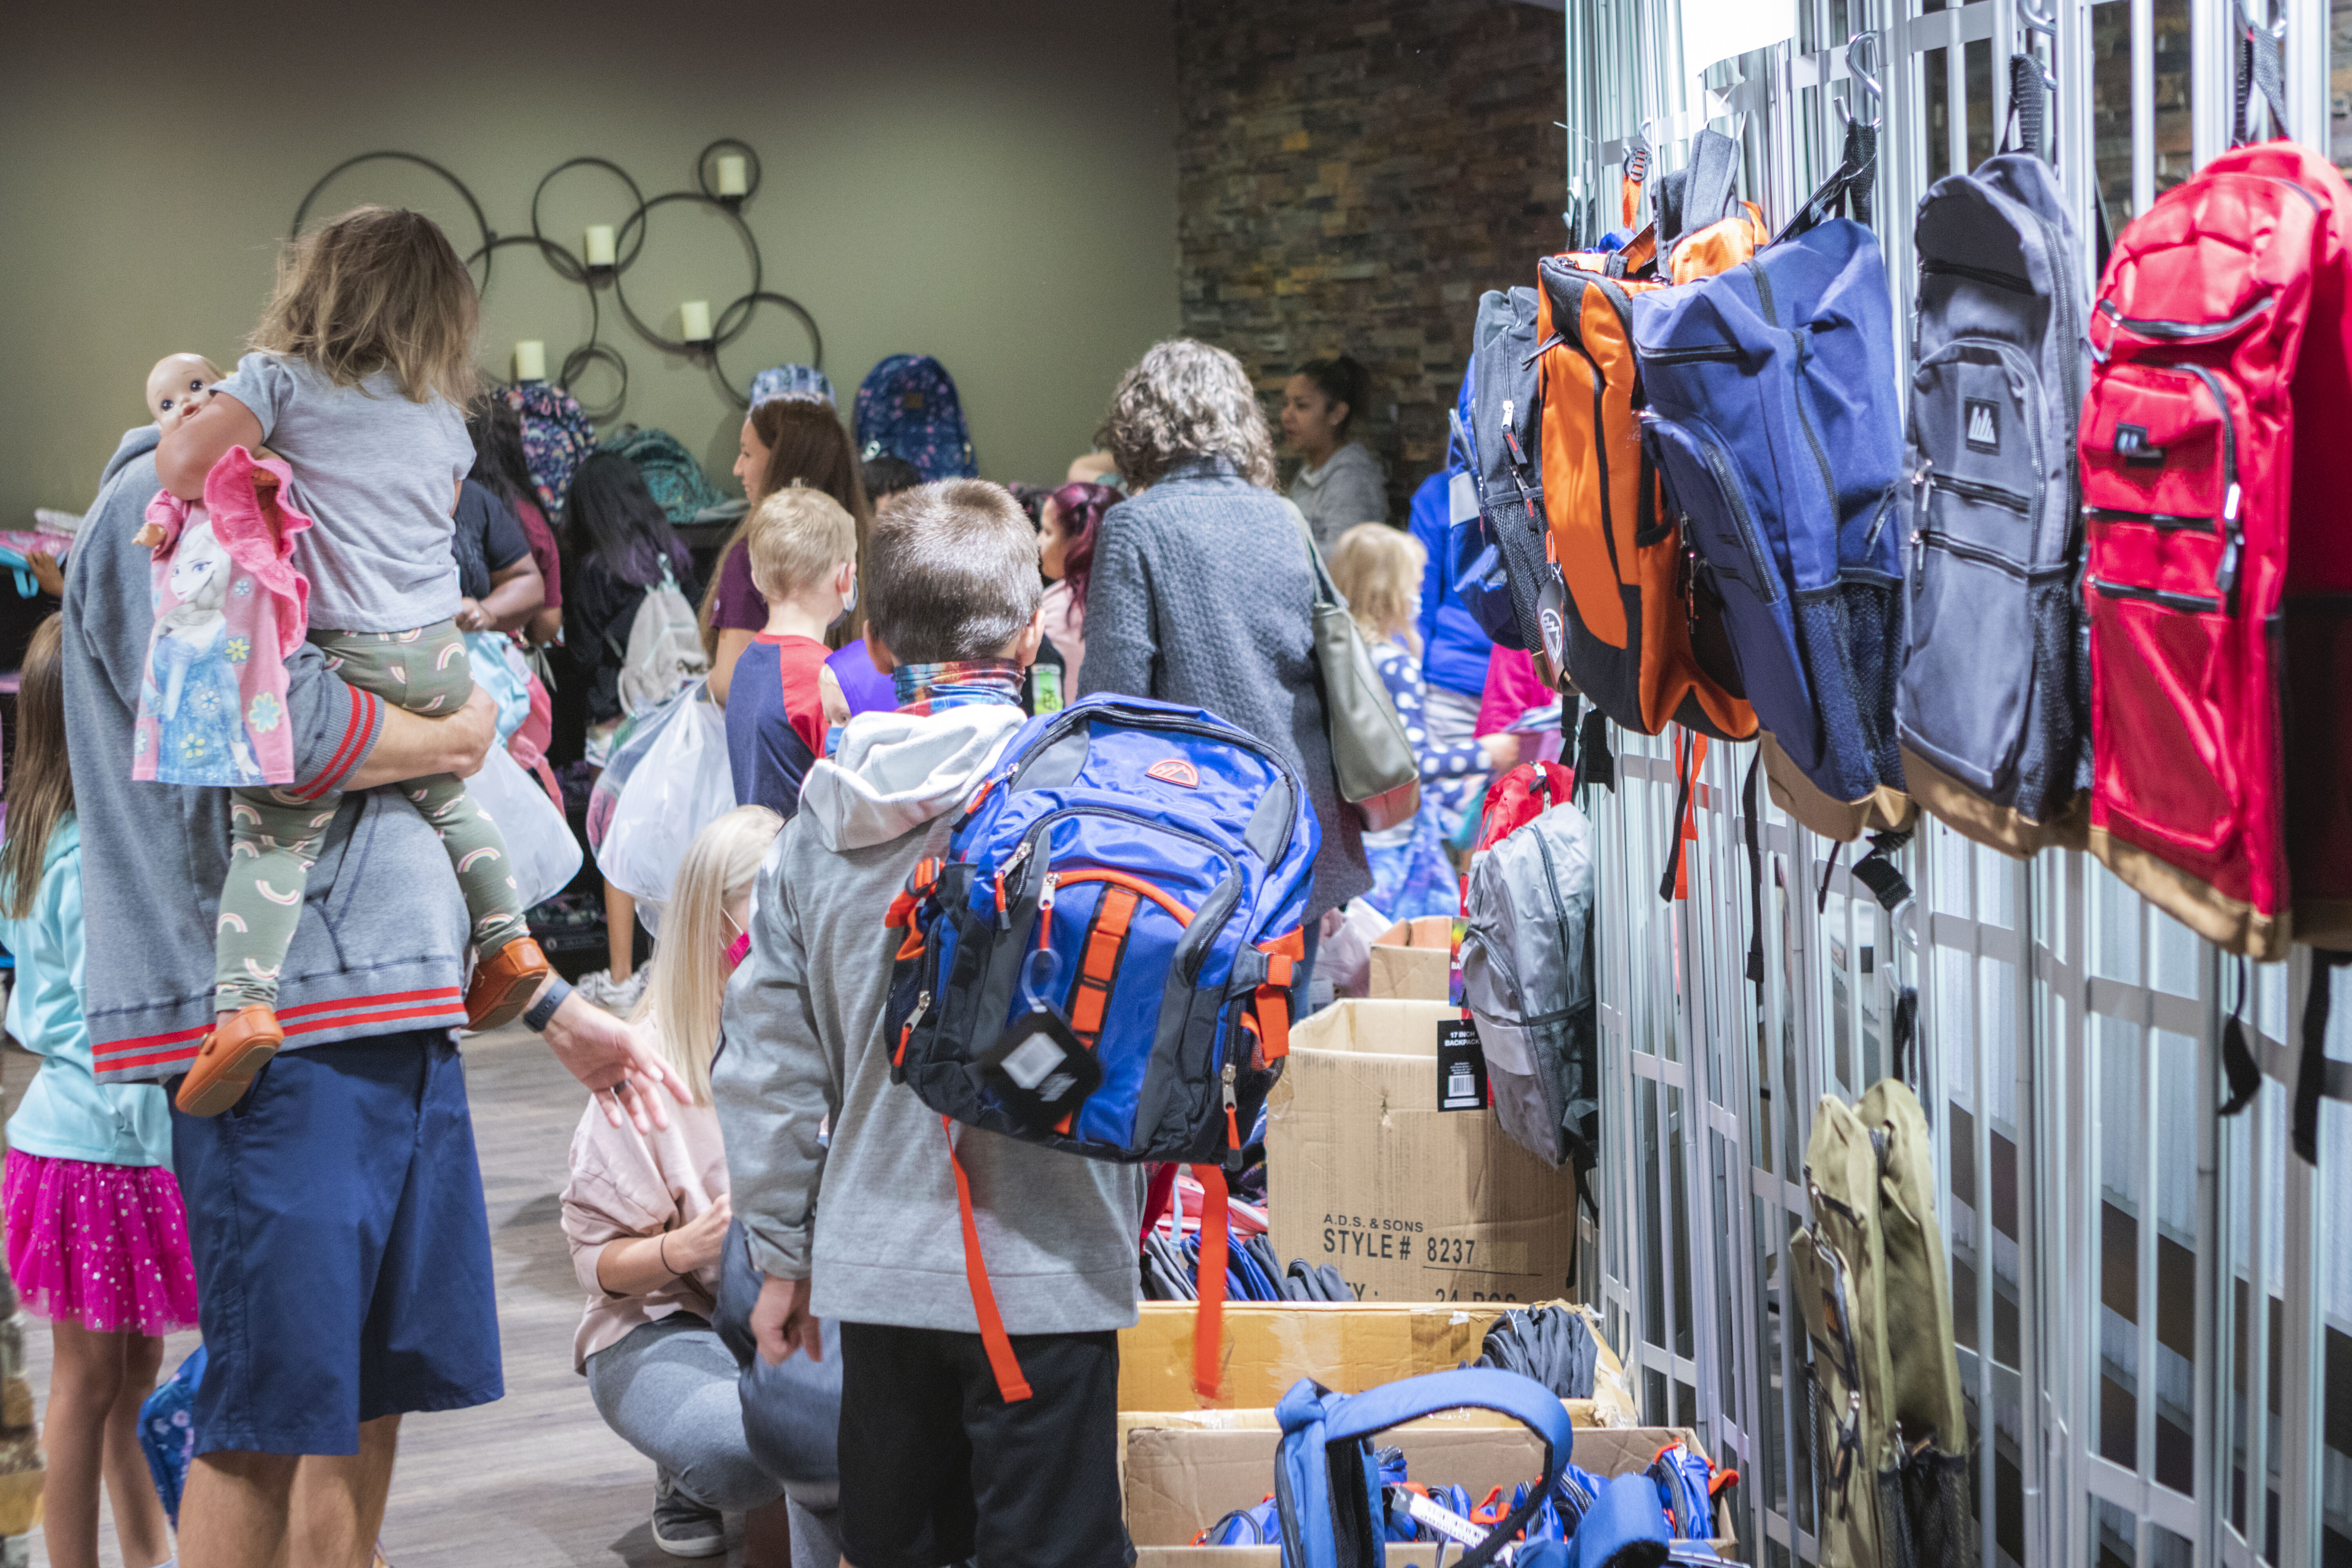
{"x":531,"y":360}
{"x":694,"y":321}
{"x":599,"y":245}
{"x":730,"y":175}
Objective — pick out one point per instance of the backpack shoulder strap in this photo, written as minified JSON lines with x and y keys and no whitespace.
{"x":2257,"y":65}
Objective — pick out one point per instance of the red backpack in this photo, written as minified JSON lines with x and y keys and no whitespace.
{"x":2218,"y":576}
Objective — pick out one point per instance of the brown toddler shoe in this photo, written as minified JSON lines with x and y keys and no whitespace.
{"x":226,"y":1063}
{"x":503,"y":984}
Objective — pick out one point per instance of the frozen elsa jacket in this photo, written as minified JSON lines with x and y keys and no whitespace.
{"x":382,"y":933}
{"x":870,"y":1218}
{"x":68,"y":1114}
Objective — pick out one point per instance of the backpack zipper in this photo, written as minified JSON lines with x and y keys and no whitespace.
{"x":1151,"y":720}
{"x":2162,"y":520}
{"x":2183,"y":331}
{"x":1951,"y":545}
{"x":1768,"y":582}
{"x":1991,"y":495}
{"x":2225,"y":576}
{"x":1800,"y":339}
{"x":2196,"y":603}
{"x":1984,"y":275}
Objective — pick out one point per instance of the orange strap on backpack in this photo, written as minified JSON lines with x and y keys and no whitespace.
{"x":1208,"y":1321}
{"x":1271,"y":1004}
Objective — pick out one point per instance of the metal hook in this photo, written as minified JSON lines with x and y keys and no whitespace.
{"x":1859,"y":73}
{"x":2034,"y":21}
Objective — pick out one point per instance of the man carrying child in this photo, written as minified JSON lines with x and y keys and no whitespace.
{"x":936,"y":1465}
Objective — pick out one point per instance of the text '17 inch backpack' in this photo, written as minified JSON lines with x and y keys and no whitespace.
{"x":2216,"y":469}
{"x":1773,"y":417}
{"x":1993,"y":708}
{"x":1101,"y":963}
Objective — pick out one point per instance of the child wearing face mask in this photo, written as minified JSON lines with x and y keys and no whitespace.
{"x":646,"y":1216}
{"x":363,"y":365}
{"x":803,"y":549}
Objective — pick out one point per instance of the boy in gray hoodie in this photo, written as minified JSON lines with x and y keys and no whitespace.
{"x":936,"y":1464}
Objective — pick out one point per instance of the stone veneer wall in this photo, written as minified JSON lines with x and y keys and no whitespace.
{"x":1351,"y":177}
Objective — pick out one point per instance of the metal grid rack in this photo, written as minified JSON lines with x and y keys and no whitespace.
{"x":2153,"y":1307}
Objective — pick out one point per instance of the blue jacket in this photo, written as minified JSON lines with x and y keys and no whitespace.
{"x":68,"y":1114}
{"x":1454,"y":650}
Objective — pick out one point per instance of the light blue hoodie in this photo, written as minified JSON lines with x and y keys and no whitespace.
{"x":68,"y":1114}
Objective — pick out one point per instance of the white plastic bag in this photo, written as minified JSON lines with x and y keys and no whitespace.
{"x":681,"y":784}
{"x":540,"y":846}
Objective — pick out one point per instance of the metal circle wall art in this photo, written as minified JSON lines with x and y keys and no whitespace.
{"x":726,"y":176}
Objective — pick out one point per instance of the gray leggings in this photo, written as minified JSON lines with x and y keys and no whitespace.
{"x":668,"y":1389}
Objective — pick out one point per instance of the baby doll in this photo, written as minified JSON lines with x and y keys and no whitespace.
{"x":176,"y":388}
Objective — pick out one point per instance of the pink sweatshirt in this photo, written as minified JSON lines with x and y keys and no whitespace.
{"x":626,"y":1184}
{"x":1512,"y":689}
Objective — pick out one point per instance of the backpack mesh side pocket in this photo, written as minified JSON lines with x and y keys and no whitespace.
{"x":1929,"y":1511}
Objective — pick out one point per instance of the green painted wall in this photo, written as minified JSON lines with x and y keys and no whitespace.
{"x":992,"y":184}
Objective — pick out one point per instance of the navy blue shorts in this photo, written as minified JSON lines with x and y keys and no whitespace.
{"x":343,"y":1248}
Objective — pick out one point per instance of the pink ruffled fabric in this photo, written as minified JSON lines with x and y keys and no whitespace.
{"x":105,"y":1247}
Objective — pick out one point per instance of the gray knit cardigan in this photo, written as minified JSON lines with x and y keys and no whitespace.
{"x":1202,"y":593}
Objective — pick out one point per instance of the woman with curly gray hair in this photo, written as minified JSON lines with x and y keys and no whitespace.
{"x":1202,"y":591}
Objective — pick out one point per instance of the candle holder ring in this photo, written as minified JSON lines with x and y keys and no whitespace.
{"x":575,"y":365}
{"x":731,"y":324}
{"x":472,"y":206}
{"x":637,"y":221}
{"x":637,"y":200}
{"x":751,"y":170}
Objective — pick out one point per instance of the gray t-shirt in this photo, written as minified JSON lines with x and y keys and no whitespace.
{"x":378,"y":476}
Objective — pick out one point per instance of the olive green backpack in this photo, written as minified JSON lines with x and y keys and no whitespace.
{"x":1870,"y":1274}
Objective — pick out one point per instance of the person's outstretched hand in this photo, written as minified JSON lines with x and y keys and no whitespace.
{"x":608,"y":1054}
{"x":781,"y":1323}
{"x":44,"y":568}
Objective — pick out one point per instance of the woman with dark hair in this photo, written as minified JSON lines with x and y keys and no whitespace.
{"x":1201,"y":590}
{"x":500,"y":467}
{"x":1067,"y":519}
{"x":783,"y":439}
{"x":617,"y":540}
{"x":1339,"y":483}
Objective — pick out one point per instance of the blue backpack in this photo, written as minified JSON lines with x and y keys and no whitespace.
{"x":907,"y":406}
{"x":670,"y":472}
{"x":1101,"y":963}
{"x":167,"y":1431}
{"x":1774,"y":419}
{"x":1326,"y":1475}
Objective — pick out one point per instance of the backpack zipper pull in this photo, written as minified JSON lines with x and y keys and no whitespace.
{"x":1232,"y":1124}
{"x":2226,"y":579}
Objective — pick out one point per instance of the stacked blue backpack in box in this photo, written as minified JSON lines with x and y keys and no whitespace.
{"x":907,"y":406}
{"x":1101,"y":963}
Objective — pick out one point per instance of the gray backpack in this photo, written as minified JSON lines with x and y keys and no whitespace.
{"x":1527,"y":979}
{"x":1993,"y":706}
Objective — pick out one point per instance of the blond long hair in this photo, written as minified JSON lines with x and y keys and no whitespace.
{"x":41,"y":784}
{"x":1378,"y":569}
{"x":688,"y":980}
{"x":377,"y":289}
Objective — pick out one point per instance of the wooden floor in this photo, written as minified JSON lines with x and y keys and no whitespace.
{"x":535,"y":1480}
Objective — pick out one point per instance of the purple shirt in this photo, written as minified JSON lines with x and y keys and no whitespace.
{"x":867,"y":688}
{"x":738,"y":607}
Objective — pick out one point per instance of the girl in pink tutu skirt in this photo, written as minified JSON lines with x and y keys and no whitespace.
{"x":97,"y":1239}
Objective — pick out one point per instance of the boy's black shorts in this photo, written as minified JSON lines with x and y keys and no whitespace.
{"x":935,"y":1467}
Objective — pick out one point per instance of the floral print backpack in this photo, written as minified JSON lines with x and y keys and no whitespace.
{"x":907,"y":406}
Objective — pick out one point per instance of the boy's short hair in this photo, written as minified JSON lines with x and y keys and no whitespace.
{"x":952,"y":571}
{"x":797,"y":536}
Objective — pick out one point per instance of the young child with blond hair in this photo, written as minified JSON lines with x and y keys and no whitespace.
{"x":803,"y":549}
{"x":361,"y":368}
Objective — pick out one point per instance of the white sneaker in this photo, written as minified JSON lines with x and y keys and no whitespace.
{"x":619,"y":998}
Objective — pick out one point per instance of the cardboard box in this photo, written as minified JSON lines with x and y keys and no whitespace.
{"x":1180,"y":1481}
{"x":1413,"y":960}
{"x":1409,"y":1203}
{"x":1269,"y":1346}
